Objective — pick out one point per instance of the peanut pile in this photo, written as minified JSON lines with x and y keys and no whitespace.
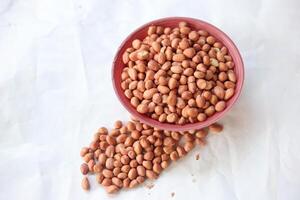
{"x":130,"y":153}
{"x":178,"y":75}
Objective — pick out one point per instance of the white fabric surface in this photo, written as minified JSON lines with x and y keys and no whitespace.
{"x":55,"y":90}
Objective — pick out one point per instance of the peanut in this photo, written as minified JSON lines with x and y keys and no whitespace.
{"x":111,"y":189}
{"x":84,"y":168}
{"x":215,"y":128}
{"x":85,"y":184}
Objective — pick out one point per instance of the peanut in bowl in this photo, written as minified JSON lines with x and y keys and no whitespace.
{"x":178,"y":74}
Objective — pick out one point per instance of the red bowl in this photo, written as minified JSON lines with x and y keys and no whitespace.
{"x":197,"y":24}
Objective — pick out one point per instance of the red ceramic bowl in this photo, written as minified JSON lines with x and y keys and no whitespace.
{"x":197,"y":24}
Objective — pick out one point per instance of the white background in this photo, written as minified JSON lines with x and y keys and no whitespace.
{"x":55,"y":91}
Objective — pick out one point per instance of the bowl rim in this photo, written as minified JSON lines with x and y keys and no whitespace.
{"x":189,"y":126}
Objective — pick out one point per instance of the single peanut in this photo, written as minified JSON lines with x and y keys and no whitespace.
{"x":85,"y":184}
{"x":215,"y":128}
{"x":111,"y":189}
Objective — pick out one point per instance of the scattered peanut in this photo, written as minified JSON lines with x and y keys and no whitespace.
{"x":137,"y":152}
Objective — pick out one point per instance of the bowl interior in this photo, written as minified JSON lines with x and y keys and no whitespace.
{"x":172,"y":22}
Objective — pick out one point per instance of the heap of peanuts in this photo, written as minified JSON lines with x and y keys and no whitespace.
{"x":132,"y":152}
{"x":178,"y":75}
